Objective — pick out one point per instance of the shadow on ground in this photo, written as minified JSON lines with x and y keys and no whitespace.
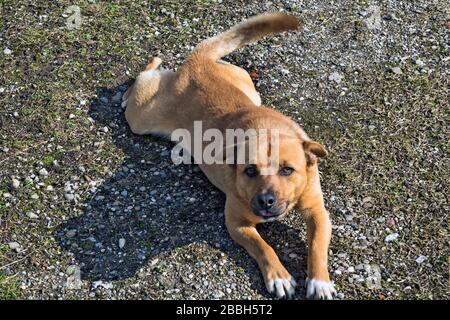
{"x":159,"y":218}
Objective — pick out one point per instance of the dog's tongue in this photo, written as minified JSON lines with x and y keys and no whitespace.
{"x":268,"y":214}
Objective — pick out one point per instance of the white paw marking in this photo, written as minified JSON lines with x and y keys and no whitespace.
{"x":283,"y":288}
{"x":323,"y":290}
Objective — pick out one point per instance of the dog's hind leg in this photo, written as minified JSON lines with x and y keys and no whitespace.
{"x":149,"y":100}
{"x":139,"y":98}
{"x":153,"y":65}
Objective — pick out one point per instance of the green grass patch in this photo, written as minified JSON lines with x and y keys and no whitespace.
{"x":9,"y":288}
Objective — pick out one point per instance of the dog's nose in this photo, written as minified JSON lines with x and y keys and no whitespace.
{"x":266,"y":200}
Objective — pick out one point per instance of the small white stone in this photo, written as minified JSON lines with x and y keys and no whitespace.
{"x":32,"y":215}
{"x":71,"y":116}
{"x":15,"y":184}
{"x":34,"y":196}
{"x":397,"y":70}
{"x":100,"y":283}
{"x":121,"y":243}
{"x":391,"y":237}
{"x":420,"y":63}
{"x":191,"y":200}
{"x":69,"y":196}
{"x":43,"y":172}
{"x":373,"y":18}
{"x":2,"y":89}
{"x":14,"y":246}
{"x":351,"y":269}
{"x":421,"y":259}
{"x":7,"y":51}
{"x":336,"y":77}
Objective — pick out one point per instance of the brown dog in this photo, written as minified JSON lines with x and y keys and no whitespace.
{"x":223,"y":96}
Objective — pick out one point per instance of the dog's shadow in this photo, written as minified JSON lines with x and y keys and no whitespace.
{"x":151,"y":206}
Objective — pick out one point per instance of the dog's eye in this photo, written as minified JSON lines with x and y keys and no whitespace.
{"x":251,"y":171}
{"x":286,"y":171}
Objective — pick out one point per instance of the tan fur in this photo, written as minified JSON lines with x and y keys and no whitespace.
{"x":223,"y":96}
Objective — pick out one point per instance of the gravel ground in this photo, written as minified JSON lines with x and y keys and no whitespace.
{"x":90,"y":211}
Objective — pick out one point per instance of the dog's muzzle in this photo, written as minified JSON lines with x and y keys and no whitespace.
{"x":265,"y":205}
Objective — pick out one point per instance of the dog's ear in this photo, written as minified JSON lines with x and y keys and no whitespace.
{"x":313,"y":150}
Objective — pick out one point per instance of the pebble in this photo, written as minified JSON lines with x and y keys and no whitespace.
{"x":421,"y":259}
{"x":15,"y":184}
{"x":117,"y":97}
{"x":14,"y":246}
{"x":397,"y":70}
{"x":7,"y":195}
{"x":43,"y":172}
{"x":390,"y":222}
{"x":373,"y":18}
{"x":124,"y":193}
{"x":71,"y":116}
{"x":7,"y":51}
{"x":69,"y":196}
{"x":121,"y":243}
{"x":100,"y":283}
{"x":32,"y":215}
{"x":34,"y":196}
{"x":71,"y":233}
{"x":391,"y":237}
{"x":351,"y":269}
{"x":2,"y":89}
{"x":336,"y":77}
{"x":420,"y":63}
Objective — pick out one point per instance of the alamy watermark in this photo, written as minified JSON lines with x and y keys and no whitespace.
{"x":234,"y":146}
{"x":73,"y":17}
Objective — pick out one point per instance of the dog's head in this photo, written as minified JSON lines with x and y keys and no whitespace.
{"x":272,"y":188}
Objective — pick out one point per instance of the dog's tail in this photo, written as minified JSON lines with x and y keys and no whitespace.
{"x":247,"y":31}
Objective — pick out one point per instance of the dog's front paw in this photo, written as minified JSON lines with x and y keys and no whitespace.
{"x":319,"y":289}
{"x":281,"y":284}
